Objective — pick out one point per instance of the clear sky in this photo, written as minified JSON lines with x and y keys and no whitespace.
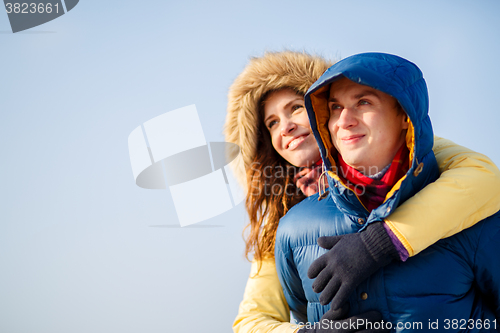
{"x":80,"y":246}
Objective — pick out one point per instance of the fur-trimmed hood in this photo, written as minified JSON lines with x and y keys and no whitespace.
{"x":273,"y":71}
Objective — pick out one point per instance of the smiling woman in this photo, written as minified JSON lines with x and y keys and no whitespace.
{"x":259,"y":109}
{"x":286,"y":119}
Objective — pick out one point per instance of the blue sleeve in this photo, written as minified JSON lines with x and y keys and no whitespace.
{"x":290,"y":280}
{"x":487,"y":263}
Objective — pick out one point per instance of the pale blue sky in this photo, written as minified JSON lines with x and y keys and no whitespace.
{"x":77,"y":250}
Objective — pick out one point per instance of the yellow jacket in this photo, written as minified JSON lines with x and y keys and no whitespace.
{"x":467,"y":191}
{"x":264,"y":308}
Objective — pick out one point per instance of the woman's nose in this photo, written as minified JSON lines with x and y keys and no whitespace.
{"x":287,"y":127}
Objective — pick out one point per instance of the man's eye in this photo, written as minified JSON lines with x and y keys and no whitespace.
{"x":363,"y":102}
{"x":334,"y":107}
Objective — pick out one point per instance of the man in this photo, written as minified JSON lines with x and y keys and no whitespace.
{"x":369,"y":114}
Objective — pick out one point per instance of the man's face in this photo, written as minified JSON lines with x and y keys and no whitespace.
{"x":366,"y":125}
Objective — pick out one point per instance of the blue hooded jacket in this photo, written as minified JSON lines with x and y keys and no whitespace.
{"x":458,"y":278}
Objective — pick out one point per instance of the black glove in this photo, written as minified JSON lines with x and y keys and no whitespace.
{"x":351,"y":260}
{"x":365,"y":323}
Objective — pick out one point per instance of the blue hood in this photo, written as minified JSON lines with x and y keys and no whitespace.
{"x":400,"y":79}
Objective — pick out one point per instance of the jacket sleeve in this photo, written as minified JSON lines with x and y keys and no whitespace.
{"x":264,"y":308}
{"x":467,"y":191}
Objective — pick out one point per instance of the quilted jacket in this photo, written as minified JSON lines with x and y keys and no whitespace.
{"x":458,"y":278}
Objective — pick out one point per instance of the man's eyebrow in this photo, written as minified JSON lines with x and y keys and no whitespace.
{"x":367,"y":93}
{"x":362,"y":94}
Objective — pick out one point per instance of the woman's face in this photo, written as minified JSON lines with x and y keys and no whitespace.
{"x":285,"y":117}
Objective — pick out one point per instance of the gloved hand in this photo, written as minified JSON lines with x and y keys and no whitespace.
{"x":365,"y":323}
{"x":351,"y":260}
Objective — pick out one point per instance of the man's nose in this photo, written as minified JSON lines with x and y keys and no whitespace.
{"x":347,"y":118}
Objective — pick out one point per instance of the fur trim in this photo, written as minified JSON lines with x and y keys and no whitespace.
{"x":273,"y":71}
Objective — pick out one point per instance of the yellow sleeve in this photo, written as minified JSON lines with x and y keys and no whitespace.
{"x":264,"y":307}
{"x":467,"y":191}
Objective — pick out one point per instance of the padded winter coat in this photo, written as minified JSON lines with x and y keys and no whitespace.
{"x":264,"y":308}
{"x":457,"y":278}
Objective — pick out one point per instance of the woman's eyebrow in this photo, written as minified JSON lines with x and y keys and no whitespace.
{"x":292,"y":101}
{"x":286,"y":106}
{"x":267,"y":118}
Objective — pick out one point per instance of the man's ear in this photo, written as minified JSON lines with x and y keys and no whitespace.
{"x":406,"y":121}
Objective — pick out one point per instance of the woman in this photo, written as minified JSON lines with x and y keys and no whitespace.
{"x":266,"y":119}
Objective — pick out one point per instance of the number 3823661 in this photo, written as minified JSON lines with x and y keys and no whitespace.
{"x":31,"y":8}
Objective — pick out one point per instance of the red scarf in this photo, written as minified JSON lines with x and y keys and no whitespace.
{"x":372,"y":192}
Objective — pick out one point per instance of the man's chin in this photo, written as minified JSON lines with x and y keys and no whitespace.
{"x":352,"y":160}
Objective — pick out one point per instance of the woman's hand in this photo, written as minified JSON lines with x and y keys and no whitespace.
{"x":307,"y":180}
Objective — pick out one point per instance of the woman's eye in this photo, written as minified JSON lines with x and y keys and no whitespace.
{"x":271,"y":124}
{"x":296,"y":107}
